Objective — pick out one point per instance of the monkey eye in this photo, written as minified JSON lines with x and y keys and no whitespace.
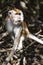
{"x":9,"y":12}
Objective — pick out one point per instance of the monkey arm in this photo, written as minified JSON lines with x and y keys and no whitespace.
{"x":16,"y":43}
{"x":31,"y":36}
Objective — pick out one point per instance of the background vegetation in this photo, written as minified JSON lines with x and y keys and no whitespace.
{"x":33,"y":15}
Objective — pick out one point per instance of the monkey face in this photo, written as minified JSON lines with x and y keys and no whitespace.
{"x":16,"y":16}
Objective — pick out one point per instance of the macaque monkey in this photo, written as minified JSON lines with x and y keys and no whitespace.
{"x":15,"y":24}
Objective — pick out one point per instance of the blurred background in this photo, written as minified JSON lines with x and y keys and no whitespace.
{"x":33,"y":16}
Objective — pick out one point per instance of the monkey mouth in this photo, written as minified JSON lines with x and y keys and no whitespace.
{"x":15,"y":22}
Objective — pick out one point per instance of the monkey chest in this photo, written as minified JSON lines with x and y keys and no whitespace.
{"x":17,"y":31}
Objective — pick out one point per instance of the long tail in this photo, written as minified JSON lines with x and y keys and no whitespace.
{"x":31,"y":36}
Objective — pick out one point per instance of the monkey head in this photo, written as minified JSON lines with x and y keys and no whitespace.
{"x":16,"y":16}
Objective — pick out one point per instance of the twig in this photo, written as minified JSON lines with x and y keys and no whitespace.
{"x":38,"y":32}
{"x":3,"y":35}
{"x":29,"y":45}
{"x":40,"y":35}
{"x":5,"y":50}
{"x":1,"y":42}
